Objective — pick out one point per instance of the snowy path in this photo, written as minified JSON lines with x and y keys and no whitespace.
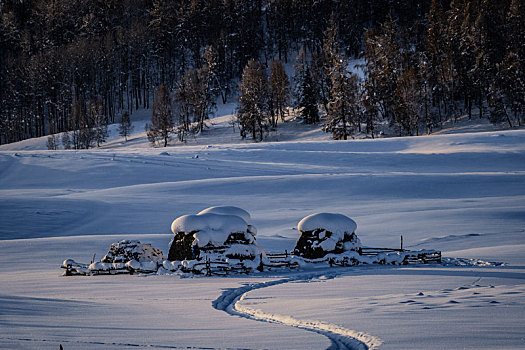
{"x":341,"y":338}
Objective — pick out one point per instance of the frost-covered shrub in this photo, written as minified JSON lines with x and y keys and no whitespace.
{"x":216,"y":236}
{"x":325,"y":233}
{"x":127,"y":250}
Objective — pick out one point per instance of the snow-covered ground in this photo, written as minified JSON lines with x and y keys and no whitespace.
{"x":461,"y":193}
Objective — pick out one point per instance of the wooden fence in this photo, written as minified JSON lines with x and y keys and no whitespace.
{"x":277,"y":260}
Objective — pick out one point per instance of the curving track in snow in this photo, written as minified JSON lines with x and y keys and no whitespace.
{"x":342,"y":338}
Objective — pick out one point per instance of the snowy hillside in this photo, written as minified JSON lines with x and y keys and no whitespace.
{"x":461,"y":193}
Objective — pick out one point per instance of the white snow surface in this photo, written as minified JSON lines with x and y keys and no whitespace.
{"x":228,"y":210}
{"x":463,"y":194}
{"x":338,"y":224}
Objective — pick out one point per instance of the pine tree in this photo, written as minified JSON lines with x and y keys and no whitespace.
{"x":512,"y":70}
{"x":408,"y":102}
{"x":370,"y":109}
{"x":343,"y":107}
{"x":330,"y":55}
{"x":489,"y":46}
{"x":195,"y":95}
{"x":125,"y":126}
{"x":436,"y":64}
{"x":161,"y":117}
{"x":253,"y":110}
{"x":496,"y":103}
{"x":205,"y":91}
{"x":466,"y":58}
{"x":515,"y":28}
{"x":320,"y":78}
{"x":308,"y":99}
{"x":382,"y":68}
{"x":301,"y":63}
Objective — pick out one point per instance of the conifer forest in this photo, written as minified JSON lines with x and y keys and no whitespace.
{"x":76,"y":66}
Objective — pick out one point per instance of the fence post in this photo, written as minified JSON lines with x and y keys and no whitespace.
{"x":208,"y":267}
{"x":401,"y":242}
{"x":261,"y":265}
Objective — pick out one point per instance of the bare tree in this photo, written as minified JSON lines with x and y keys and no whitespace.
{"x":279,"y":90}
{"x":161,"y":117}
{"x":98,"y":120}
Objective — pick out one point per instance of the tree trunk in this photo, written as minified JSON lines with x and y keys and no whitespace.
{"x":481,"y":106}
{"x":469,"y":108}
{"x":507,"y":117}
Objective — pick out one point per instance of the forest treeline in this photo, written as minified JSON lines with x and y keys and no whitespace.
{"x":73,"y":65}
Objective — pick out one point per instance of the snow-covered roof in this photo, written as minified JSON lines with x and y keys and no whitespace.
{"x":228,"y":210}
{"x":211,"y":228}
{"x":338,"y":224}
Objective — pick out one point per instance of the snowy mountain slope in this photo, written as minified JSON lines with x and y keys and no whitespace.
{"x":461,"y":193}
{"x":218,"y":130}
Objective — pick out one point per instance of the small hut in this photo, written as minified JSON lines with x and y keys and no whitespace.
{"x":213,"y":235}
{"x":325,"y":233}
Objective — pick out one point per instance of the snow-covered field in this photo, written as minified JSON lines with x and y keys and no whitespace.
{"x":461,"y":193}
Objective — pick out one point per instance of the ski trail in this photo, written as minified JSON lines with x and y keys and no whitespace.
{"x":342,"y":338}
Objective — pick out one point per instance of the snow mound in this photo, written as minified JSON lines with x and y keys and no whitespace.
{"x":228,"y":210}
{"x":235,"y":211}
{"x":209,"y":228}
{"x":336,"y":223}
{"x":325,"y":233}
{"x":128,"y":250}
{"x":214,"y":236}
